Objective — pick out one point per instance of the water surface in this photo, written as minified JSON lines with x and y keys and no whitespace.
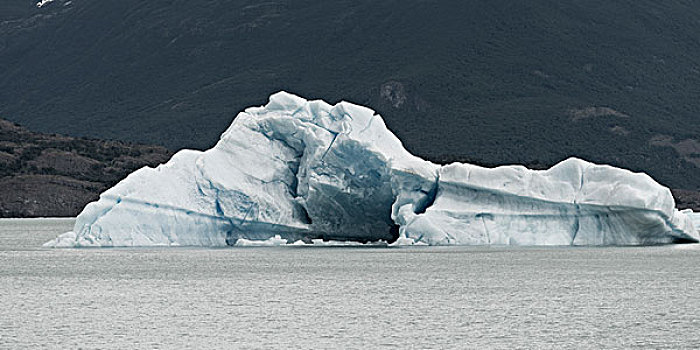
{"x":343,"y":298}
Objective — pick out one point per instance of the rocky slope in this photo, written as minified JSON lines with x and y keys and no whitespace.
{"x":686,"y":199}
{"x":55,"y":175}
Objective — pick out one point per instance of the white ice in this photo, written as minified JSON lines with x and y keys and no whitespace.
{"x":305,"y":171}
{"x":43,"y":3}
{"x":695,"y":218}
{"x":573,"y":203}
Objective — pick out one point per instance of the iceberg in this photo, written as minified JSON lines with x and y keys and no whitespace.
{"x":306,"y":171}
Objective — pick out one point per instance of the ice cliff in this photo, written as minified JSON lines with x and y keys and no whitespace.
{"x":298,"y":170}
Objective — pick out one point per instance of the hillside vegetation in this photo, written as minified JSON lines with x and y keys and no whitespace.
{"x":486,"y":81}
{"x":55,"y":175}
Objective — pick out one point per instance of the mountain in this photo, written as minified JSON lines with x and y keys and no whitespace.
{"x":484,"y":81}
{"x":54,"y":175}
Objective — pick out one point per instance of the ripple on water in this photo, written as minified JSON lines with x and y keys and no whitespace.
{"x":345,"y":298}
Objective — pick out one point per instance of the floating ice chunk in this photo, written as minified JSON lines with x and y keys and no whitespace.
{"x":270,"y":242}
{"x":406,"y":241}
{"x":65,"y":240}
{"x":297,"y":170}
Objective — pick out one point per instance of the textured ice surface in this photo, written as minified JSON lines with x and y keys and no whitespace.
{"x":305,"y":171}
{"x":695,"y":218}
{"x":573,"y":203}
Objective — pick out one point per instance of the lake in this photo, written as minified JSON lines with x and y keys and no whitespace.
{"x":343,"y":297}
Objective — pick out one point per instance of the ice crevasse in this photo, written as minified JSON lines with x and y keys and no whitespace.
{"x":297,"y":170}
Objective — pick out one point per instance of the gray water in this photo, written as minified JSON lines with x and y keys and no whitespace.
{"x":343,"y":298}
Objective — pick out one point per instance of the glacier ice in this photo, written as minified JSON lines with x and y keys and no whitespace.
{"x":694,"y":218}
{"x":306,"y":171}
{"x":573,"y":203}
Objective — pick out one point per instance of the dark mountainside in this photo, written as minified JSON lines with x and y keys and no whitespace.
{"x":485,"y":81}
{"x":54,"y":175}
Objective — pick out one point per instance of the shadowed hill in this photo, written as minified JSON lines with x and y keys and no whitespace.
{"x":485,"y":81}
